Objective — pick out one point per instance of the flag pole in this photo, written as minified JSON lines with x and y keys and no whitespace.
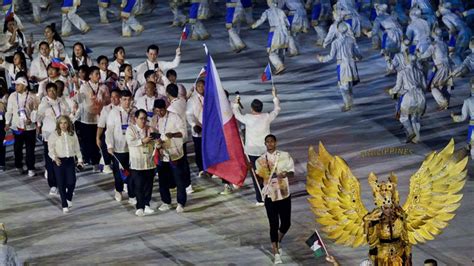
{"x":180,"y":40}
{"x":254,"y":175}
{"x":319,"y":237}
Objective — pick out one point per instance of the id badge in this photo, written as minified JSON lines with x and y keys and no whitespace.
{"x":150,"y":114}
{"x":22,"y":113}
{"x":124,"y":129}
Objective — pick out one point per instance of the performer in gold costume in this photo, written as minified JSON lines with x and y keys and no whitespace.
{"x":389,"y":229}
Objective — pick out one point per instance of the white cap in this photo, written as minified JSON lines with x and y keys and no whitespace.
{"x":21,"y":80}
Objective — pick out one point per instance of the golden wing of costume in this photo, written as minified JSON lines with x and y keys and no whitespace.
{"x":389,"y":229}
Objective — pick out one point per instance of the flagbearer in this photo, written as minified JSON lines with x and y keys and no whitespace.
{"x":129,"y":22}
{"x":275,"y":167}
{"x":257,"y":125}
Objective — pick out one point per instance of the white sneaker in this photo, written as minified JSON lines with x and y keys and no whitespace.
{"x":118,"y":196}
{"x":65,"y":210}
{"x":259,"y":204}
{"x":214,"y":177}
{"x":31,"y":173}
{"x":179,"y":208}
{"x":277,"y":259}
{"x":189,"y":190}
{"x":140,"y":213}
{"x":132,"y":201}
{"x":125,"y":188}
{"x":164,"y":207}
{"x":69,"y":204}
{"x":148,"y":210}
{"x":53,"y":191}
{"x":107,"y":169}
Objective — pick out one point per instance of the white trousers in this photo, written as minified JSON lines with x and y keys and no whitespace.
{"x":235,"y":41}
{"x":71,"y":18}
{"x":130,"y":24}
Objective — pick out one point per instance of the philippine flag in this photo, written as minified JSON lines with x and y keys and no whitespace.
{"x":185,"y":33}
{"x":9,"y":140}
{"x":58,"y":63}
{"x":267,"y":73}
{"x":9,"y":11}
{"x":222,"y":151}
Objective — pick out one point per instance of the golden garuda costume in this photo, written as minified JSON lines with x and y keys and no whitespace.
{"x":390,"y":229}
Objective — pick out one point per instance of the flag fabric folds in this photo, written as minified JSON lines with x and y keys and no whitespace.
{"x":222,"y":151}
{"x":316,"y":245}
{"x":267,"y":73}
{"x":185,"y":33}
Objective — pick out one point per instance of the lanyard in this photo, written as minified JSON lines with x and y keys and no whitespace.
{"x":121,"y":119}
{"x":44,"y":64}
{"x":59,"y":107}
{"x":18,"y":100}
{"x":90,"y":86}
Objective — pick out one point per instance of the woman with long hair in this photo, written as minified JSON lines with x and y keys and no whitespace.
{"x":126,"y":81}
{"x":63,"y":147}
{"x":17,"y":65}
{"x":56,"y":44}
{"x":79,"y":56}
{"x":15,"y":38}
{"x":119,"y":60}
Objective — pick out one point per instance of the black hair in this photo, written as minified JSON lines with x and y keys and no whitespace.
{"x":56,"y":35}
{"x":86,"y":70}
{"x":270,"y":136}
{"x":5,"y":26}
{"x":51,"y":85}
{"x":172,"y":90}
{"x":153,"y":47}
{"x":148,"y":73}
{"x":257,"y":105}
{"x":171,"y":72}
{"x":118,"y":49}
{"x":119,"y":92}
{"x":126,"y":93}
{"x":137,"y":113}
{"x":431,"y":261}
{"x":22,"y":59}
{"x":43,"y":43}
{"x":84,"y":53}
{"x":203,"y":82}
{"x":159,"y":103}
{"x":102,"y":57}
{"x":122,"y":67}
{"x":92,"y":69}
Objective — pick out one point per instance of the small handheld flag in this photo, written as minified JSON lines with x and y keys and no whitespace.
{"x":184,"y":34}
{"x":9,"y":140}
{"x":267,"y":73}
{"x":316,"y":244}
{"x":58,"y":63}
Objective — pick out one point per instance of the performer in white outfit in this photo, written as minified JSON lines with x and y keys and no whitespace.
{"x":179,"y":19}
{"x":278,"y":37}
{"x":39,"y":65}
{"x":411,"y":104}
{"x":438,"y":81}
{"x":37,"y":5}
{"x":297,"y":19}
{"x":198,"y":11}
{"x":468,"y":112}
{"x":418,"y":31}
{"x":129,"y":22}
{"x":346,"y":51}
{"x":320,"y":18}
{"x":235,"y":15}
{"x":69,"y":17}
{"x":103,"y":6}
{"x":387,"y":33}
